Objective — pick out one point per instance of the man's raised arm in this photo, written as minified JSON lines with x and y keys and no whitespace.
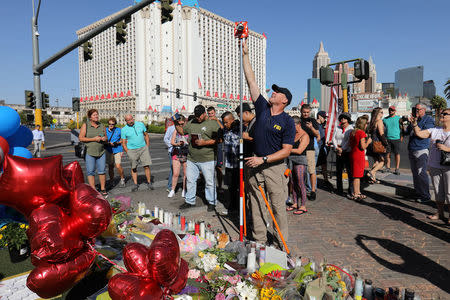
{"x":249,"y":74}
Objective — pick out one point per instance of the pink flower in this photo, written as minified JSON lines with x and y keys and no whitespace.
{"x":220,"y":296}
{"x":230,"y":291}
{"x":193,"y":274}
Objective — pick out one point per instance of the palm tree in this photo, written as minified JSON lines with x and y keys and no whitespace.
{"x":447,"y":89}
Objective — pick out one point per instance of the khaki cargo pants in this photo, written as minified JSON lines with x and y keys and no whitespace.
{"x":274,"y":183}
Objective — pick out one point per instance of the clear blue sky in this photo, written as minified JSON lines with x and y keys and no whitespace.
{"x":397,"y":34}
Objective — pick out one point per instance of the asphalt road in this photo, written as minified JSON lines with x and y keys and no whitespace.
{"x":158,"y":151}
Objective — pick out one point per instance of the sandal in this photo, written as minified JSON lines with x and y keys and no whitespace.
{"x":104,"y":193}
{"x":371,"y":178}
{"x":291,"y":208}
{"x":361,"y":197}
{"x":299,"y":212}
{"x":434,"y":217}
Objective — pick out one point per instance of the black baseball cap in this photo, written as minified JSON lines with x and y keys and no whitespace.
{"x":345,"y":115}
{"x":284,"y":91}
{"x":199,"y":110}
{"x":245,"y":107}
{"x":322,"y":113}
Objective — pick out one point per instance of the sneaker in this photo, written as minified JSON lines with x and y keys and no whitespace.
{"x":171,"y":194}
{"x":423,"y":200}
{"x":183,"y":193}
{"x":186,"y":206}
{"x":397,"y":172}
{"x":135,"y":188}
{"x":150,"y":186}
{"x":211,"y":207}
{"x":386,"y":170}
{"x":122,"y":182}
{"x":312,"y":196}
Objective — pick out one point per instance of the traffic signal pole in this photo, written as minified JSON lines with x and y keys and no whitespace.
{"x":38,"y":67}
{"x":36,"y":75}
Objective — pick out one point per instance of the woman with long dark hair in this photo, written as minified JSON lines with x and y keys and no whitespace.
{"x":375,"y":130}
{"x":358,"y":143}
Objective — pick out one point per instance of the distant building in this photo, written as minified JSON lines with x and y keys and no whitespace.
{"x":429,"y":89}
{"x":322,"y":59}
{"x":195,"y":52}
{"x":388,"y":88}
{"x":314,"y":90}
{"x":409,"y":81}
{"x":62,"y":115}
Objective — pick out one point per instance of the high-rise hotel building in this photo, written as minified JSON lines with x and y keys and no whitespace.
{"x":195,"y":52}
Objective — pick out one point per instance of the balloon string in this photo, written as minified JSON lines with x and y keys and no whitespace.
{"x":107,"y":259}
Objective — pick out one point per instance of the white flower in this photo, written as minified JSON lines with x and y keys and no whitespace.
{"x":246,"y":291}
{"x":208,"y":262}
{"x":184,"y":297}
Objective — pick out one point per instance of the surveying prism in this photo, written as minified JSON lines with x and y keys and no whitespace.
{"x":241,"y":30}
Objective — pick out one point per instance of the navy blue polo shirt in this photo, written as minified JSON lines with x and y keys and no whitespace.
{"x":271,"y":132}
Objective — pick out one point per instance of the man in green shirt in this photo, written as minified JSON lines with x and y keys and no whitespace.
{"x":202,"y":142}
{"x":394,"y":138}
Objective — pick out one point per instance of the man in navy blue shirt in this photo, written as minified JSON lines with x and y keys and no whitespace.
{"x":274,"y":133}
{"x":418,"y":153}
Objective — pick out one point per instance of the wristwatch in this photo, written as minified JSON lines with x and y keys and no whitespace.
{"x":265,"y":158}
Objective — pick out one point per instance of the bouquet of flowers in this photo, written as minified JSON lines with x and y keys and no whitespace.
{"x":13,"y":235}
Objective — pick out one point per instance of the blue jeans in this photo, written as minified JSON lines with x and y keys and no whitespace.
{"x":193,"y":170}
{"x":169,"y":180}
{"x":95,"y":162}
{"x":418,"y":161}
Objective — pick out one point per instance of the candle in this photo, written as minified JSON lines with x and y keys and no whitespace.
{"x":166,"y":217}
{"x":251,"y":261}
{"x":156,"y":212}
{"x":161,"y":215}
{"x":147,"y":212}
{"x":183,"y":223}
{"x":202,"y":229}
{"x":197,"y":228}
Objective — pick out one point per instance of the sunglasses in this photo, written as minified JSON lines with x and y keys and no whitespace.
{"x":111,"y":124}
{"x":445,"y":114}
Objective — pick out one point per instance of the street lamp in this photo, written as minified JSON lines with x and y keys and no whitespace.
{"x":226,"y":85}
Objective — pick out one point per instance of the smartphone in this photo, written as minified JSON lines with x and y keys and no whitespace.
{"x":414,"y":111}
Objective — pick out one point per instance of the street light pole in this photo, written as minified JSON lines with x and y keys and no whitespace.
{"x":36,"y":75}
{"x":171,"y":94}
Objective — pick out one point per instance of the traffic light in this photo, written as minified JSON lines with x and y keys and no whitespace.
{"x":178,"y":93}
{"x":195,"y":96}
{"x":166,"y":11}
{"x":76,"y":104}
{"x":361,"y":67}
{"x":326,"y":75}
{"x":45,"y":100}
{"x":158,"y":89}
{"x":30,"y":100}
{"x":87,"y":51}
{"x":121,"y":32}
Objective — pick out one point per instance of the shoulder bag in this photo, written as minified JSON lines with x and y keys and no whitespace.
{"x":445,"y":156}
{"x":80,"y":148}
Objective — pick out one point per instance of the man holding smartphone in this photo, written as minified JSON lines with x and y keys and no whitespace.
{"x":418,"y":152}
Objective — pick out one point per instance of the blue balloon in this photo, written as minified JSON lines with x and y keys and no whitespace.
{"x":9,"y":121}
{"x":21,"y":138}
{"x":20,"y":151}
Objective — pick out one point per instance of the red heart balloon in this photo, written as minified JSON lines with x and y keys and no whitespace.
{"x":27,"y":184}
{"x":73,"y":174}
{"x":180,"y":280}
{"x":49,"y":279}
{"x":131,"y":286}
{"x":135,"y":258}
{"x":164,"y":258}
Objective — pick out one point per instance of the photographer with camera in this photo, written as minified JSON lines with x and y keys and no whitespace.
{"x":418,"y":151}
{"x":114,"y":151}
{"x":93,"y":134}
{"x":179,"y":154}
{"x":439,"y":162}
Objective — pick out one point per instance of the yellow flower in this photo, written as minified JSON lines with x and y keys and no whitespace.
{"x":201,"y":254}
{"x":26,"y":227}
{"x":22,"y":225}
{"x":217,"y":268}
{"x":3,"y":228}
{"x":1,"y":236}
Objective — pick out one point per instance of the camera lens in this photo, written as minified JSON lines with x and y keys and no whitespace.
{"x":438,"y":142}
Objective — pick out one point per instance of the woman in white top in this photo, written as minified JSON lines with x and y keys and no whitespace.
{"x":440,"y":174}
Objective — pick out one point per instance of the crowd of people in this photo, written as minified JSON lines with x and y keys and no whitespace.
{"x":281,"y":154}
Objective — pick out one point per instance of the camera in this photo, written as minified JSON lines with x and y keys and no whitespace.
{"x":438,"y":142}
{"x":240,"y":30}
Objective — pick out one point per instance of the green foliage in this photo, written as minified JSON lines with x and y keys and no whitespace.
{"x":72,"y":125}
{"x":13,"y":235}
{"x":222,"y":255}
{"x":156,"y":128}
{"x":46,"y":119}
{"x":438,"y":102}
{"x":447,"y":89}
{"x":23,"y":117}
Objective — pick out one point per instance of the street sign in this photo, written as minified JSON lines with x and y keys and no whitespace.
{"x":221,"y":105}
{"x":54,"y":121}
